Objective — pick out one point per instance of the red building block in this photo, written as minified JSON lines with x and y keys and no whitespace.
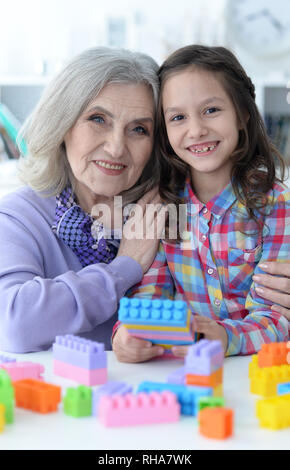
{"x":273,"y":354}
{"x":36,"y":395}
{"x":216,"y":423}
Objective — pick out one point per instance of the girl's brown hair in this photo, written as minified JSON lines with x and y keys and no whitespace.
{"x":255,"y":159}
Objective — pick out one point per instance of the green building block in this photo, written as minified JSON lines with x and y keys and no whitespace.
{"x":7,"y":396}
{"x":213,"y":402}
{"x":78,"y":401}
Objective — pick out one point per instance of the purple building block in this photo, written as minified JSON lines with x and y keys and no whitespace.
{"x":110,"y":388}
{"x":177,"y":376}
{"x":204,"y":357}
{"x":5,"y":359}
{"x":80,"y":352}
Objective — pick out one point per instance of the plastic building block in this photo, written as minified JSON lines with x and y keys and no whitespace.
{"x":212,"y":380}
{"x":216,"y":423}
{"x":283,"y":389}
{"x":265,"y":380}
{"x":23,"y":370}
{"x":273,"y":354}
{"x":218,"y":391}
{"x":77,"y":402}
{"x":187,"y":396}
{"x":82,"y":376}
{"x":110,"y":388}
{"x":204,"y":357}
{"x":6,"y":359}
{"x":37,"y":396}
{"x":274,"y":413}
{"x":212,"y":402}
{"x":253,"y":366}
{"x":80,"y":352}
{"x":163,"y":322}
{"x":2,"y":417}
{"x":143,"y":408}
{"x":7,"y":396}
{"x":177,"y":376}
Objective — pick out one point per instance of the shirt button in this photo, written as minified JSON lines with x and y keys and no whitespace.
{"x":203,"y":238}
{"x":217,"y":302}
{"x":205,"y":210}
{"x":210,"y":271}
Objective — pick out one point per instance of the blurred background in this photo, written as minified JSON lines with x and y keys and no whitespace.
{"x":37,"y":37}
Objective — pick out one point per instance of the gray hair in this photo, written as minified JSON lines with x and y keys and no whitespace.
{"x":45,"y":168}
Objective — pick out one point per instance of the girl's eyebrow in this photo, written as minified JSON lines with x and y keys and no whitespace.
{"x":202,"y":103}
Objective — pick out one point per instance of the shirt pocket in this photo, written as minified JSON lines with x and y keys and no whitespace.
{"x":241,"y":265}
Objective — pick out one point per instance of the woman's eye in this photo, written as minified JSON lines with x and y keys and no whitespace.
{"x":212,"y":110}
{"x":140,"y":130}
{"x":98,"y":119}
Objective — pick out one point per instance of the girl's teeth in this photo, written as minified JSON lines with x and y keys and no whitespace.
{"x":110,"y":167}
{"x":205,"y":149}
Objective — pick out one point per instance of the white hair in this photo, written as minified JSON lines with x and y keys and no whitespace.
{"x":45,"y":167}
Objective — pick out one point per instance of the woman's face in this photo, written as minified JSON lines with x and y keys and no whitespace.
{"x":111,"y":142}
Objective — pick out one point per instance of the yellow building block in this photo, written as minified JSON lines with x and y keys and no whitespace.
{"x":265,"y":380}
{"x":2,"y":417}
{"x":218,"y":391}
{"x":253,"y":366}
{"x":274,"y":413}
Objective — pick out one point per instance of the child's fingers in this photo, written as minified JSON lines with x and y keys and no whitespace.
{"x":179,"y":351}
{"x":282,"y":310}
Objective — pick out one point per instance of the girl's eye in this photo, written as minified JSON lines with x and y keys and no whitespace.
{"x":212,"y":110}
{"x":179,"y":117}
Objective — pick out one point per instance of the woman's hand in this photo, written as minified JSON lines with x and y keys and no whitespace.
{"x":142,"y":232}
{"x":211,"y":330}
{"x":130,"y":349}
{"x":274,"y":288}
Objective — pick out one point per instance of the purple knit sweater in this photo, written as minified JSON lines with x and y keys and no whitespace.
{"x":44,"y":291}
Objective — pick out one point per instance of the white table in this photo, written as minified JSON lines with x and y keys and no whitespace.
{"x":32,"y":430}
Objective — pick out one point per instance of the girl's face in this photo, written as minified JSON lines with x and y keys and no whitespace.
{"x":201,"y":122}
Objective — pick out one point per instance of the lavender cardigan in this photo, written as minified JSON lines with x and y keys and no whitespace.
{"x":44,"y":291}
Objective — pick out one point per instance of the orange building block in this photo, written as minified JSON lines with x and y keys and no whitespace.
{"x":216,"y":423}
{"x":212,"y":380}
{"x":273,"y":354}
{"x":36,"y":395}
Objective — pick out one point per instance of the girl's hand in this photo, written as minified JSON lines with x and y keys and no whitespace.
{"x":274,"y":288}
{"x":211,"y":330}
{"x":130,"y":349}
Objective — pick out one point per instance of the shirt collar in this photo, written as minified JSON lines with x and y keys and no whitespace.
{"x":218,"y":205}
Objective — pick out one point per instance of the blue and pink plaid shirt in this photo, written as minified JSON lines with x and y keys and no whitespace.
{"x":213,"y":271}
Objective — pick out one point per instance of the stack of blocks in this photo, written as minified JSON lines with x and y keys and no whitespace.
{"x":80,"y":359}
{"x":163,"y":322}
{"x":269,"y":373}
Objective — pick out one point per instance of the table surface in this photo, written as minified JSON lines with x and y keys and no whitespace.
{"x":57,"y":431}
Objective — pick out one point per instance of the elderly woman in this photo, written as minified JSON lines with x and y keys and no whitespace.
{"x":89,"y":139}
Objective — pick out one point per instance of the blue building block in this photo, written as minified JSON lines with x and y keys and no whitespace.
{"x":80,"y":352}
{"x":5,"y":359}
{"x":283,"y":389}
{"x":167,"y":313}
{"x":187,"y":395}
{"x":204,"y":357}
{"x":110,"y":388}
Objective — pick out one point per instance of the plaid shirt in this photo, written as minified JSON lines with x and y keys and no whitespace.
{"x":213,"y":272}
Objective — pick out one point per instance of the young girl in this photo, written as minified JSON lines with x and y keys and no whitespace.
{"x":217,"y":159}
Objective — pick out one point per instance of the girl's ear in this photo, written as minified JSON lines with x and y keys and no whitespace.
{"x":247,"y":117}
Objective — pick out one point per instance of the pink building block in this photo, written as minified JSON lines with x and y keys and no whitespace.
{"x":142,"y":408}
{"x":23,"y":370}
{"x":80,"y":375}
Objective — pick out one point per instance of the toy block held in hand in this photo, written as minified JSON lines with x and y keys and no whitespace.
{"x":274,"y":413}
{"x":143,"y":408}
{"x":80,"y":359}
{"x":163,"y":322}
{"x":37,"y":396}
{"x":110,"y":388}
{"x":216,"y":423}
{"x":77,"y":402}
{"x":273,"y":354}
{"x":7,"y":396}
{"x":23,"y":370}
{"x":204,"y":357}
